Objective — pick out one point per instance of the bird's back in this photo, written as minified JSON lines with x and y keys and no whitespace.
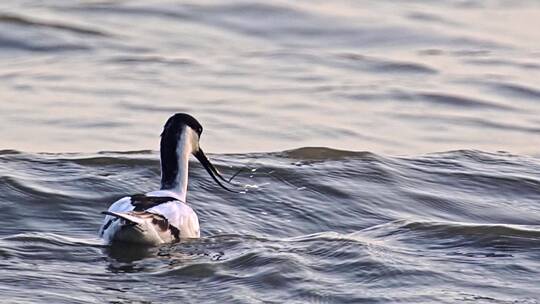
{"x":161,"y":209}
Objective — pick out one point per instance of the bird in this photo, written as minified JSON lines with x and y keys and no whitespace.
{"x":163,"y":216}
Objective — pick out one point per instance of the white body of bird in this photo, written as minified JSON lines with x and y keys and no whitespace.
{"x":162,"y":216}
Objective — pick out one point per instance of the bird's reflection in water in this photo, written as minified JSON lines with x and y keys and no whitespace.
{"x":130,"y":258}
{"x":125,"y":257}
{"x":127,"y":253}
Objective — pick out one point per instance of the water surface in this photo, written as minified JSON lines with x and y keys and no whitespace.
{"x":395,"y":78}
{"x":317,"y":225}
{"x":442,"y":97}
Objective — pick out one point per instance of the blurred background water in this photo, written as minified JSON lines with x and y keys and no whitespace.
{"x":444,"y":97}
{"x":397,"y":78}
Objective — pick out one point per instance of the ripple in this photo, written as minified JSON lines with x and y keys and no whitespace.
{"x":504,"y":62}
{"x":144,"y":107}
{"x":46,"y":239}
{"x":461,"y":101}
{"x":9,"y":152}
{"x":431,"y":18}
{"x":149,"y":59}
{"x":338,"y":221}
{"x":25,"y":21}
{"x":517,"y":90}
{"x":486,"y":240}
{"x":388,"y":66}
{"x":464,"y":120}
{"x":7,"y":43}
{"x":322,"y":153}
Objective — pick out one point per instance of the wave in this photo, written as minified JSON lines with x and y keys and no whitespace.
{"x":50,"y":239}
{"x":31,"y":22}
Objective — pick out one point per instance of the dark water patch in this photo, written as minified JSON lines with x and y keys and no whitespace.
{"x":431,"y":18}
{"x":431,"y":52}
{"x":149,"y":59}
{"x":79,"y":123}
{"x":255,"y":10}
{"x":134,"y":152}
{"x":286,"y":54}
{"x":512,"y":89}
{"x":25,"y":21}
{"x":460,"y":101}
{"x":504,"y":62}
{"x":9,"y":152}
{"x":387,"y":66}
{"x":473,"y":53}
{"x":114,"y":162}
{"x":322,"y":153}
{"x":404,"y":67}
{"x":502,"y":126}
{"x":7,"y":43}
{"x":123,"y":9}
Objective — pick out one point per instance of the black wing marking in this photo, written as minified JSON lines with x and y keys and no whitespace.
{"x":175,"y":232}
{"x":164,"y":225}
{"x":107,"y":225}
{"x":141,"y":202}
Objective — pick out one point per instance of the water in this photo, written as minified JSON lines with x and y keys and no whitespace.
{"x":322,"y":226}
{"x":434,"y":92}
{"x":86,"y":76}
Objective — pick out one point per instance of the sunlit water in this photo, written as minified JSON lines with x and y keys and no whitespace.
{"x":451,"y":84}
{"x":395,"y":78}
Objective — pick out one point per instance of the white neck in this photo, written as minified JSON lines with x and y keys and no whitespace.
{"x":183,"y":151}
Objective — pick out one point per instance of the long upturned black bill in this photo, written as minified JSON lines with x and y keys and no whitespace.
{"x":211,"y":169}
